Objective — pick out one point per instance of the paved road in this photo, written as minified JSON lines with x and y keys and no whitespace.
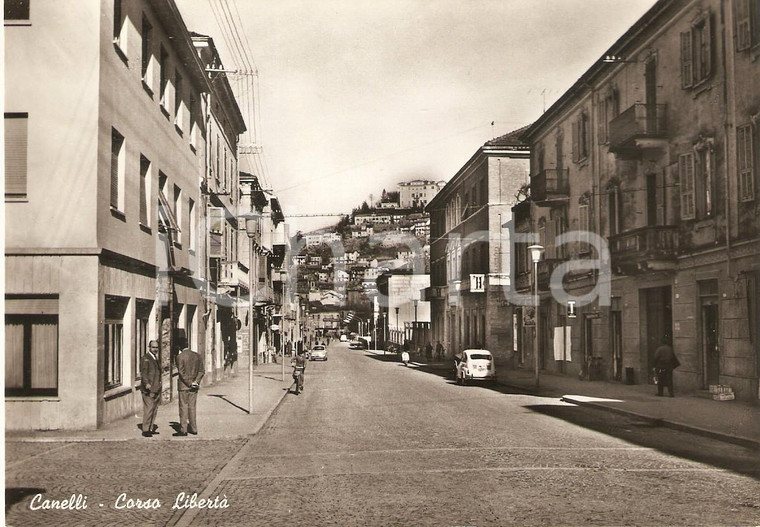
{"x":370,"y":442}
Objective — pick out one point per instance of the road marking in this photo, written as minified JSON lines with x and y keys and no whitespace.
{"x":22,"y":461}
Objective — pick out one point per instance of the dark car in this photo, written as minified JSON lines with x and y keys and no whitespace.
{"x":358,"y":344}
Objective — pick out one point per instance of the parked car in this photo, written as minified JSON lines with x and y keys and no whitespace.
{"x":343,"y":338}
{"x":318,"y":352}
{"x":358,"y":344}
{"x":474,"y":365}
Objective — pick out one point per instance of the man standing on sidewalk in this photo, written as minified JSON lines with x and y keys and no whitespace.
{"x":665,"y":361}
{"x":150,"y":384}
{"x":190,"y":370}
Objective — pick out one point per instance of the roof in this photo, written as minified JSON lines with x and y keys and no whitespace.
{"x":510,"y":139}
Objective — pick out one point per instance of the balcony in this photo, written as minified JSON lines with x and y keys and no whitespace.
{"x":640,"y":127}
{"x":550,"y":185}
{"x":652,"y":248}
{"x":435,"y":292}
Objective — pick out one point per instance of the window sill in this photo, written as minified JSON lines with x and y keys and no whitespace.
{"x":32,"y":399}
{"x":146,"y":228}
{"x":16,"y":199}
{"x":116,"y":213}
{"x":191,"y":251}
{"x":700,"y":88}
{"x":193,"y":149}
{"x":116,"y":392}
{"x":147,"y":88}
{"x":120,"y":53}
{"x":165,"y":111}
{"x":178,"y":128}
{"x":18,"y":23}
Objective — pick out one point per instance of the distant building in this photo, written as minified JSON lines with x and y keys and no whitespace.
{"x":418,"y":192}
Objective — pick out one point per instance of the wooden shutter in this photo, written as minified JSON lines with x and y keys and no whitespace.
{"x":686,"y":180}
{"x":660,"y":197}
{"x":576,"y":135}
{"x":745,"y":163}
{"x":216,"y":226}
{"x":708,"y":47}
{"x":16,"y":132}
{"x":742,"y":24}
{"x":116,"y":143}
{"x":687,"y":67}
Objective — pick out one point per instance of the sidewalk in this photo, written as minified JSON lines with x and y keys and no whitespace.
{"x":732,"y":421}
{"x":222,"y":411}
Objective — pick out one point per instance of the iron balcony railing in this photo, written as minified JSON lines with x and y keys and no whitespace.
{"x":640,"y":121}
{"x":550,"y":183}
{"x":639,"y":248}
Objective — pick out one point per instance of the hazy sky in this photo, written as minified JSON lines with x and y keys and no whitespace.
{"x":357,"y":95}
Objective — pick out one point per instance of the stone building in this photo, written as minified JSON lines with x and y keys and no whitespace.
{"x":470,"y":252}
{"x":418,"y":192}
{"x":655,"y":150}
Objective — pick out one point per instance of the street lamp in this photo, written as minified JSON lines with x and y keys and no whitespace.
{"x":251,"y":229}
{"x":535,"y":255}
{"x":397,"y":326}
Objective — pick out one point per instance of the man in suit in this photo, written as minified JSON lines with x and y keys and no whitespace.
{"x":150,"y":385}
{"x":190,"y":370}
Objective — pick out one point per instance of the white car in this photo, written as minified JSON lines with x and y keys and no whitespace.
{"x":343,"y":338}
{"x":474,"y":365}
{"x":318,"y":353}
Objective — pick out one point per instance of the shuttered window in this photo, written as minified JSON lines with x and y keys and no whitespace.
{"x":745,"y":163}
{"x":31,"y":346}
{"x":216,"y":229}
{"x":16,"y":133}
{"x":686,"y":180}
{"x":696,"y":52}
{"x":145,"y":188}
{"x":746,"y":23}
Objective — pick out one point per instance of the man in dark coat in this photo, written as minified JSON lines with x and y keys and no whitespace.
{"x":150,"y":385}
{"x":190,"y":370}
{"x":665,"y":361}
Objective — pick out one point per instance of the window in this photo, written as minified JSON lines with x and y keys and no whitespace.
{"x":113,"y":340}
{"x":147,"y":54}
{"x":16,"y":9}
{"x":118,"y":170}
{"x":745,"y":163}
{"x":560,"y":164}
{"x":16,"y":126}
{"x":163,"y":64}
{"x":145,"y":187}
{"x":177,"y":206}
{"x":119,"y":27}
{"x":216,"y":222}
{"x":580,"y":138}
{"x":608,"y":110}
{"x":142,"y":331}
{"x":584,"y":225}
{"x":704,"y":178}
{"x":193,"y":124}
{"x":192,"y":233}
{"x":747,"y":23}
{"x":686,"y":180}
{"x":31,"y":346}
{"x":696,"y":52}
{"x":179,"y":111}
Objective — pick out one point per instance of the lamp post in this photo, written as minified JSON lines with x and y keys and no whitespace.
{"x":535,"y":255}
{"x":251,"y":229}
{"x":415,"y":335}
{"x":397,"y":326}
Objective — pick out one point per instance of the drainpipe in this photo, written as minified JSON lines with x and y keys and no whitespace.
{"x":729,"y":80}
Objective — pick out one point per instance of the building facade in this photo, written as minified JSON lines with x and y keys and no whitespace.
{"x":654,"y":150}
{"x":112,"y":116}
{"x":469,"y":249}
{"x":418,"y":192}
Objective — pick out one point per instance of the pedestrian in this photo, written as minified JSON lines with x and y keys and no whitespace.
{"x":150,"y":385}
{"x":429,"y":352}
{"x":665,"y":361}
{"x":190,"y":370}
{"x":439,"y":351}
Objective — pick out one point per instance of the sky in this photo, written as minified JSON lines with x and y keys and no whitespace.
{"x":355,"y":96}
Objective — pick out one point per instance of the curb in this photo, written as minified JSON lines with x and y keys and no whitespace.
{"x":674,"y":425}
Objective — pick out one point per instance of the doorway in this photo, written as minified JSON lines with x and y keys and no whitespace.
{"x":658,"y":321}
{"x":616,"y":343}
